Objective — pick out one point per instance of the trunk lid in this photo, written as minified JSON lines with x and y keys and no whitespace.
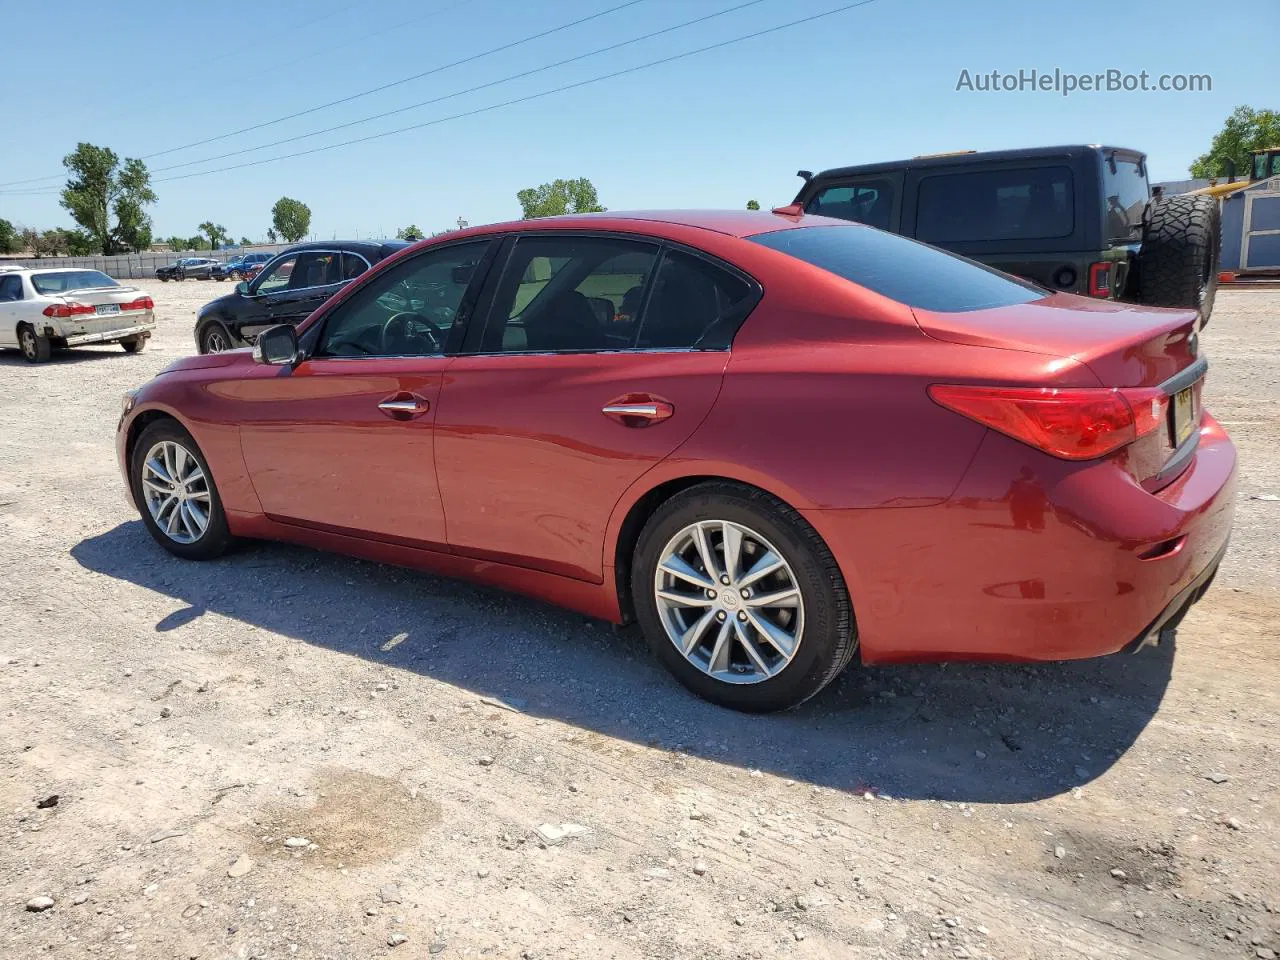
{"x":1125,"y":345}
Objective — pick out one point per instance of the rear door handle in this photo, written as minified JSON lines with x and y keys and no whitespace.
{"x":404,"y":406}
{"x":638,"y":413}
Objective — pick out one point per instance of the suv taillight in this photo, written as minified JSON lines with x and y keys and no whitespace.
{"x":1071,"y":423}
{"x":1100,"y":279}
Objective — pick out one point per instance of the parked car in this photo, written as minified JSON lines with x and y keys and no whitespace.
{"x":45,"y":309}
{"x":1078,"y":218}
{"x":188,"y":268}
{"x":237,"y":268}
{"x":811,"y":441}
{"x":288,"y":287}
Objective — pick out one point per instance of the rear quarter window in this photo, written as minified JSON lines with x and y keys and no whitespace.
{"x":901,"y":269}
{"x":1015,"y":203}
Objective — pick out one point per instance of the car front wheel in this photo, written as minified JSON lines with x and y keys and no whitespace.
{"x":175,"y":493}
{"x":740,"y":598}
{"x":215,"y":338}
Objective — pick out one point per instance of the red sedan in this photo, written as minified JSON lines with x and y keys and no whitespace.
{"x":776,"y":441}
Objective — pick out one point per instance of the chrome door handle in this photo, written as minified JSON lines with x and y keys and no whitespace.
{"x":639,"y":413}
{"x":401,"y":406}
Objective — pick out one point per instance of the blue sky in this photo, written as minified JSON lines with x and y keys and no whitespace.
{"x":712,"y":130}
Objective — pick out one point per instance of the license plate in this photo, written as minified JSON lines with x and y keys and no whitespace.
{"x":106,"y":308}
{"x":1184,"y":414}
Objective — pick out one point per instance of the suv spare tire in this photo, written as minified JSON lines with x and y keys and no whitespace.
{"x":1181,"y":246}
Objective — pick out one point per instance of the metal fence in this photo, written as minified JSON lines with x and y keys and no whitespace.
{"x":140,"y":266}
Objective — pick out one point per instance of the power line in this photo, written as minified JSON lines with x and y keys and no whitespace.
{"x":459,"y":93}
{"x":533,"y":96}
{"x":372,"y":90}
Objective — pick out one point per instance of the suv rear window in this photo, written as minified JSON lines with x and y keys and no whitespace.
{"x":1126,"y":194}
{"x":901,"y":269}
{"x":1018,"y":203}
{"x":870,"y":202}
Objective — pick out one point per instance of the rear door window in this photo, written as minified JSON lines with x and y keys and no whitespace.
{"x":869,"y":202}
{"x":693,"y":304}
{"x":1018,"y":203}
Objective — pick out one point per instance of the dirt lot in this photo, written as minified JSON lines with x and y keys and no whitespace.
{"x":191,"y":719}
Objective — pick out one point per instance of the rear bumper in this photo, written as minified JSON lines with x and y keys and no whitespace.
{"x":1033,"y":558}
{"x":1177,"y":608}
{"x":110,"y":336}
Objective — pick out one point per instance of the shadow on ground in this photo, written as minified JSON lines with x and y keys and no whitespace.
{"x":12,"y":357}
{"x":963,"y":732}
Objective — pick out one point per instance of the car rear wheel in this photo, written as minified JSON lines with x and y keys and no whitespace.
{"x":35,"y":348}
{"x":134,"y":344}
{"x":175,"y":493}
{"x":215,"y":338}
{"x":740,"y":598}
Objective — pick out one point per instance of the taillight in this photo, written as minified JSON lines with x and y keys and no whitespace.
{"x":64,"y":310}
{"x":1100,"y":279}
{"x":1071,"y":423}
{"x":142,"y":303}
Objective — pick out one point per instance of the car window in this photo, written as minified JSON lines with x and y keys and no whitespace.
{"x":569,"y":294}
{"x":1126,"y":192}
{"x":1028,"y":203}
{"x":353,"y":265}
{"x":46,"y":283}
{"x":407,"y":310}
{"x":315,"y":269}
{"x":277,"y":278}
{"x":690,"y":298}
{"x":869,"y":202}
{"x":901,"y":269}
{"x":10,"y":288}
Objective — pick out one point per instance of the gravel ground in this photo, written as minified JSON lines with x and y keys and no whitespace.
{"x":286,"y":753}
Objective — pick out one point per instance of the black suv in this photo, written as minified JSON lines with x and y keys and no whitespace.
{"x":1078,"y":218}
{"x":286,"y":290}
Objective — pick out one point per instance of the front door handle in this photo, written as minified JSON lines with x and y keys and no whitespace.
{"x":640,"y":412}
{"x":404,"y":406}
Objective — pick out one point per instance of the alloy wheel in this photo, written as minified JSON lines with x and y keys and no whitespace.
{"x":729,"y":602}
{"x":176,"y":492}
{"x":28,"y":340}
{"x":215,"y":341}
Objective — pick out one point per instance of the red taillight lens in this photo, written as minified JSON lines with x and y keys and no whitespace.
{"x":1072,"y":423}
{"x":64,"y":310}
{"x":1100,"y":279}
{"x":142,"y":303}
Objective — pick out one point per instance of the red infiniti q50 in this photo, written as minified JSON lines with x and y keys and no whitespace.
{"x":777,"y":442}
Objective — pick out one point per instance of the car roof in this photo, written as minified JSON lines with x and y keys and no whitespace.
{"x":376,"y":249}
{"x":965,"y":157}
{"x":733,"y":223}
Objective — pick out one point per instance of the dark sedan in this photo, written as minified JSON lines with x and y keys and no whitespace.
{"x":286,"y":290}
{"x":188,"y":268}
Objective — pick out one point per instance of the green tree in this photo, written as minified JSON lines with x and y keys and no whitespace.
{"x":215,"y":232}
{"x":410,"y":232}
{"x":753,"y":204}
{"x":1246,"y":130}
{"x":32,"y":240}
{"x":245,"y":242}
{"x":272,"y":236}
{"x":8,"y":237}
{"x":291,"y":219}
{"x":198,"y":242}
{"x":80,"y":244}
{"x":100,"y":188}
{"x":176,"y":243}
{"x":559,"y":197}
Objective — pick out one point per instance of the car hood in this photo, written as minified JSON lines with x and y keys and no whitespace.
{"x":209,"y":361}
{"x":217,"y":306}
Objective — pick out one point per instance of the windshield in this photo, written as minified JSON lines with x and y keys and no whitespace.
{"x":47,"y":283}
{"x":901,"y":269}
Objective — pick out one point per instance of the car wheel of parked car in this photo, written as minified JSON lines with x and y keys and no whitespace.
{"x":215,"y":338}
{"x":1181,"y":247}
{"x":164,"y":279}
{"x":35,"y":348}
{"x":174,"y":488}
{"x":134,"y":344}
{"x":179,"y":274}
{"x":741,"y":599}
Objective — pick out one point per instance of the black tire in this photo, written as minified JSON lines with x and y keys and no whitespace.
{"x":828,"y":640}
{"x":216,"y":538}
{"x":210,"y":335}
{"x":35,"y":348}
{"x":134,"y":344}
{"x":180,"y":274}
{"x":1181,"y":250}
{"x":164,"y":279}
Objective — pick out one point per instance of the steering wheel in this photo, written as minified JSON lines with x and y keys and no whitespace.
{"x":397,"y":326}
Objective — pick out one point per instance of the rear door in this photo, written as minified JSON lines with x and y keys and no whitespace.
{"x":599,"y":357}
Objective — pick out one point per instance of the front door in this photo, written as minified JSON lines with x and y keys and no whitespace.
{"x":594,"y":365}
{"x":10,"y":303}
{"x":345,"y":440}
{"x":315,"y":277}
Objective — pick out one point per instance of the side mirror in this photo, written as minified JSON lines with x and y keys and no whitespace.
{"x":277,"y":346}
{"x":242,"y":288}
